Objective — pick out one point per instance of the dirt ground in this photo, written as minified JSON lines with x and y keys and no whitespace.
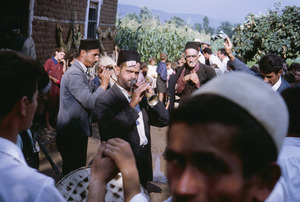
{"x":158,"y":136}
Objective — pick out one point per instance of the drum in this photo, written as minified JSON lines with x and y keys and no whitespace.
{"x":74,"y":187}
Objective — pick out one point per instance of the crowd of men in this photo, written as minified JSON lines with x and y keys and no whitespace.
{"x":233,"y":137}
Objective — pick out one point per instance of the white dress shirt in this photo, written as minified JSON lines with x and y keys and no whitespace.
{"x":289,"y":161}
{"x":223,"y":66}
{"x":140,"y":121}
{"x":215,"y":60}
{"x":277,"y":84}
{"x":19,"y":182}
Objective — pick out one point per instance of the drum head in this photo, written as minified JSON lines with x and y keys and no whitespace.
{"x":74,"y":187}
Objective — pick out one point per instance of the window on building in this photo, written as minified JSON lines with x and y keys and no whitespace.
{"x":92,"y":24}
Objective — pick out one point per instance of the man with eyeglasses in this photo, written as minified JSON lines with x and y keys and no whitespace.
{"x":270,"y":67}
{"x":189,"y":77}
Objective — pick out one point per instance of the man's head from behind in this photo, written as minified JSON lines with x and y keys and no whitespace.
{"x":271,"y":68}
{"x":220,"y":149}
{"x":19,"y":75}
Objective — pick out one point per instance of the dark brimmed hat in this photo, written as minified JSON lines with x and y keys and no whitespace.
{"x":89,"y":44}
{"x":192,"y":44}
{"x":128,"y":55}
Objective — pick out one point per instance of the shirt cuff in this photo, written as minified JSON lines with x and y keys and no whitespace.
{"x":139,"y":198}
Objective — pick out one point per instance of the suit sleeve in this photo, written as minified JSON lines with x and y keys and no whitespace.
{"x":82,"y":92}
{"x":240,"y":66}
{"x":158,"y":115}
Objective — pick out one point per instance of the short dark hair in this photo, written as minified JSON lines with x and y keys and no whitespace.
{"x":251,"y":142}
{"x":270,"y":63}
{"x":169,"y":63}
{"x":19,"y":76}
{"x":152,"y":59}
{"x":207,"y":50}
{"x":294,"y":66}
{"x":143,"y":65}
{"x":222,"y":50}
{"x":163,"y":56}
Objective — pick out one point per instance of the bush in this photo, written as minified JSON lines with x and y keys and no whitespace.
{"x":276,"y":32}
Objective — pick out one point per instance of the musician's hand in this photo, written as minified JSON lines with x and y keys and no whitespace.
{"x":105,"y":77}
{"x":138,"y":94}
{"x":149,"y":89}
{"x":120,"y":151}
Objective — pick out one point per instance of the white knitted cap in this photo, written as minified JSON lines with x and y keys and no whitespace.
{"x":256,"y":97}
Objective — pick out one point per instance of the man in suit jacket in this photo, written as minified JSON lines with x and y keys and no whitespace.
{"x":270,"y":67}
{"x":77,"y":100}
{"x":190,"y":76}
{"x":124,"y":113}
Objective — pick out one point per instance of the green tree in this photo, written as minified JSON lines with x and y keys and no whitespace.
{"x":179,"y":22}
{"x":227,"y":28}
{"x":206,"y":27}
{"x":145,"y":14}
{"x":276,"y":32}
{"x":205,"y":23}
{"x":198,"y":27}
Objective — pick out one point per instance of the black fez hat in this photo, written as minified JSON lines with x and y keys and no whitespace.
{"x":192,"y":44}
{"x":89,"y":44}
{"x":128,"y":55}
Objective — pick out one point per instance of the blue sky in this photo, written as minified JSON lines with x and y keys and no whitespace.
{"x":232,"y":10}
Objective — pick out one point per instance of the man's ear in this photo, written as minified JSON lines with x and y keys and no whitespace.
{"x":280,"y":72}
{"x":117,"y":70}
{"x":268,"y":179}
{"x":23,"y":105}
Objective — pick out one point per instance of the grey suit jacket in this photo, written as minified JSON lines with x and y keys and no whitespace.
{"x":77,"y":101}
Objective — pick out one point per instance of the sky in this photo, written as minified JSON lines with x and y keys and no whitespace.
{"x":231,"y":10}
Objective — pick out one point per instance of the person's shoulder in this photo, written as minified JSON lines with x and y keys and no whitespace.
{"x":107,"y":96}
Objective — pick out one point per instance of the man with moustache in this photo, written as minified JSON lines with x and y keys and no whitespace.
{"x":77,"y":100}
{"x":124,"y":113}
{"x":191,"y":76}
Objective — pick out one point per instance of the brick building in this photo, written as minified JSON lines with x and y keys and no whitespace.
{"x":52,"y":23}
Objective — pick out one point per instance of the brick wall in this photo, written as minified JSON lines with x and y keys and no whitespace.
{"x":47,"y":14}
{"x":108,"y":15}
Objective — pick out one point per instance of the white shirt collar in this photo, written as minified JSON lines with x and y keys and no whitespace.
{"x":11,"y":149}
{"x":82,"y":66}
{"x":277,"y":84}
{"x":128,"y":97}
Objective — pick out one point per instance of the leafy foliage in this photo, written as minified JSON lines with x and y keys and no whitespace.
{"x":276,"y":32}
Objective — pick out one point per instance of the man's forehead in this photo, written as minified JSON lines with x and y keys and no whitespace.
{"x":130,"y":64}
{"x":191,"y":50}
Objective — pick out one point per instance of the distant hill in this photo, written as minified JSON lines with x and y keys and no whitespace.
{"x":123,"y":10}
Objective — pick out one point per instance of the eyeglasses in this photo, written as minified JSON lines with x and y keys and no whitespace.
{"x":191,"y":56}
